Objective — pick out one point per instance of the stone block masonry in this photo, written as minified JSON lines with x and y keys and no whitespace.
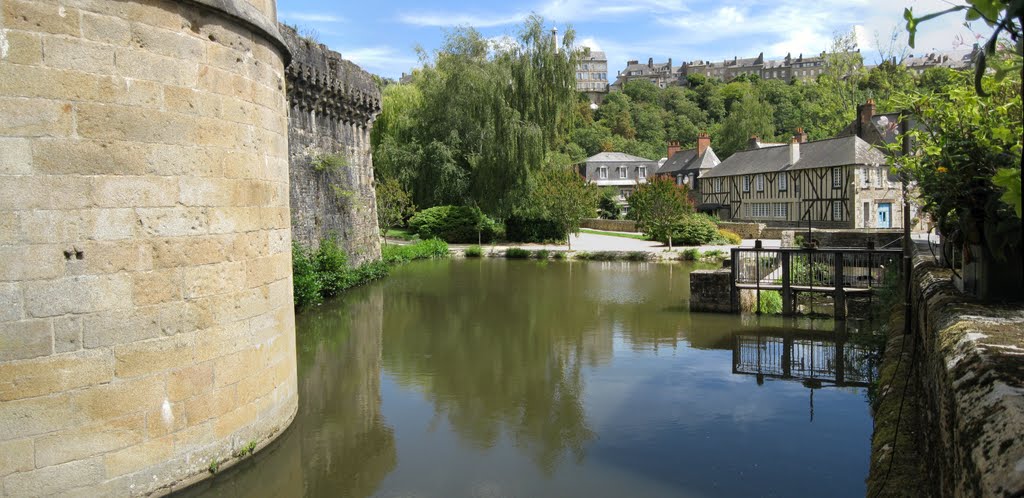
{"x":332,"y":105}
{"x":146,"y":322}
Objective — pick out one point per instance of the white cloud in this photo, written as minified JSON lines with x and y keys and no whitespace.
{"x":380,"y":60}
{"x":446,"y":20}
{"x":311,"y":17}
{"x":590,"y":42}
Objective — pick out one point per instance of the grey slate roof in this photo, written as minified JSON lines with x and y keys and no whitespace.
{"x":820,"y":154}
{"x":686,"y":161}
{"x":617,"y":157}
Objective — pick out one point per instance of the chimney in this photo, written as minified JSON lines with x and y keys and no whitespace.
{"x":670,"y":65}
{"x":753,"y":142}
{"x":801,"y":135}
{"x":703,"y":142}
{"x":673,"y":148}
{"x":864,"y":114}
{"x":794,"y":150}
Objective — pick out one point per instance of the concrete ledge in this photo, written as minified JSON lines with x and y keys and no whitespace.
{"x":972,"y":375}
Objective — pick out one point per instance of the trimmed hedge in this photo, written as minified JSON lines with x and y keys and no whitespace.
{"x":539,"y":230}
{"x":454,"y":224}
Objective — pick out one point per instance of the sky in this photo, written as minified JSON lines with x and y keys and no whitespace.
{"x":382,"y":36}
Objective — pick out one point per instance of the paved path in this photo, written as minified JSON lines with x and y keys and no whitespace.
{"x":593,"y":243}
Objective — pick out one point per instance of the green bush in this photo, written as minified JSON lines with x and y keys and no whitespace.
{"x":516,"y":253}
{"x":424,"y":249}
{"x":636,"y":256}
{"x":538,"y":230}
{"x":691,"y":254}
{"x":455,"y":224}
{"x":474,"y":251}
{"x":305,"y":281}
{"x":696,"y":229}
{"x":559,"y":255}
{"x":541,"y":254}
{"x":730,"y":237}
{"x":714,"y":254}
{"x":771,"y":302}
{"x":331,"y":265}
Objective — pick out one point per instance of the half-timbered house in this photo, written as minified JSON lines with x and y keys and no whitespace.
{"x":834,"y":183}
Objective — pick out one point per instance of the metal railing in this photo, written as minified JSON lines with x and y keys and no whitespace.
{"x":833,"y":270}
{"x":790,"y":356}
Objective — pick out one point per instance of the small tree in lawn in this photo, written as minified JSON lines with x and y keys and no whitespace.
{"x":659,"y":206}
{"x":565,"y":198}
{"x":394,"y":204}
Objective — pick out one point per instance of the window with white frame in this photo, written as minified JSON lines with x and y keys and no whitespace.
{"x":780,"y":210}
{"x":718,"y":184}
{"x":746,"y":183}
{"x":879,"y":177}
{"x":759,"y":180}
{"x":837,"y":180}
{"x":837,"y":210}
{"x":642,"y":173}
{"x":867,"y":177}
{"x":679,"y":179}
{"x":602,"y":172}
{"x":622,"y":173}
{"x":783,"y":182}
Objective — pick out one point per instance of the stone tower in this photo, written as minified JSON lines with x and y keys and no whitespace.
{"x":146,"y":323}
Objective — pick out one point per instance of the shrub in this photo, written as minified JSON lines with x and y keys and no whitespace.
{"x":730,"y":237}
{"x":457,"y":224}
{"x":331,"y":265}
{"x":771,"y":302}
{"x":474,"y":251}
{"x":690,"y":255}
{"x":696,"y":229}
{"x":516,"y":253}
{"x":541,"y":254}
{"x":636,"y":256}
{"x":518,"y":229}
{"x":714,"y":254}
{"x":424,"y":249}
{"x":559,"y":255}
{"x":305,"y":281}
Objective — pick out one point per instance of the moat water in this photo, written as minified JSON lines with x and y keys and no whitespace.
{"x":494,"y":378}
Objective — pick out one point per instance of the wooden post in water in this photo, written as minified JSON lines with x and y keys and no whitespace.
{"x":787,"y":294}
{"x":839,"y":297}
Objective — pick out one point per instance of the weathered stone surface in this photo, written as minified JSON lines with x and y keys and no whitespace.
{"x":710,"y":290}
{"x":144,"y":225}
{"x":332,"y":107}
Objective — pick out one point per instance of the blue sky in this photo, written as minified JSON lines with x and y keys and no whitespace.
{"x":381,"y":36}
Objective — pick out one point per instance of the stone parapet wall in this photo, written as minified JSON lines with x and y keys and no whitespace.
{"x":973,"y":381}
{"x":609,"y":225}
{"x":146,"y":322}
{"x":860,"y":237}
{"x":332,"y":105}
{"x":711,"y":290}
{"x":746,"y":230}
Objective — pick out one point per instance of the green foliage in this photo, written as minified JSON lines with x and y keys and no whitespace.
{"x":771,"y":302}
{"x":474,"y":251}
{"x":213,"y":467}
{"x":329,"y":162}
{"x":730,"y":237}
{"x":692,"y":254}
{"x":607,"y":204}
{"x":394,"y":204}
{"x":695,"y":229}
{"x":1009,"y":180}
{"x":558,"y":255}
{"x":306,"y":282}
{"x":714,"y":254}
{"x":541,"y":254}
{"x":659,"y":207}
{"x":564,"y":198}
{"x":516,"y":253}
{"x":455,"y":224}
{"x":519,"y":229}
{"x":331,"y":265}
{"x":963,"y":142}
{"x":424,"y":249}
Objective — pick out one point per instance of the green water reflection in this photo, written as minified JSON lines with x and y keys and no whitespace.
{"x":518,"y":378}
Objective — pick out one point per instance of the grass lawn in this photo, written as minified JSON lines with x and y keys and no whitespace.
{"x":400,"y":234}
{"x":636,"y":236}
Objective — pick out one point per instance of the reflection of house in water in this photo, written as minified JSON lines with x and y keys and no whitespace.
{"x":816,"y":359}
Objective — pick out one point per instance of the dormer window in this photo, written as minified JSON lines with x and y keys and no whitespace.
{"x":622,"y":173}
{"x":602,"y":172}
{"x":642,"y":172}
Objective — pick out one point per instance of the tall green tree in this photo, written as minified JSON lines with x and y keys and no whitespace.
{"x":750,"y":116}
{"x":565,"y":198}
{"x":659,"y":206}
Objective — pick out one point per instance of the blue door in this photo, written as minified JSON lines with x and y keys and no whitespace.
{"x":885,"y":215}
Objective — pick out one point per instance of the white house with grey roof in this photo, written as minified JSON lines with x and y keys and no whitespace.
{"x":619,"y":170}
{"x":835,"y":183}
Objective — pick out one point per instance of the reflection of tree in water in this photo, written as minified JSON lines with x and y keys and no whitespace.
{"x":345,"y":440}
{"x":495,"y":359}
